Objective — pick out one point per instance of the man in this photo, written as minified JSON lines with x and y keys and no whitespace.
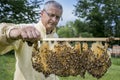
{"x":16,"y":36}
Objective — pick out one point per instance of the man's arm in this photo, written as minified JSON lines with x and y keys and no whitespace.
{"x":26,"y":32}
{"x":9,"y":33}
{"x":5,"y":44}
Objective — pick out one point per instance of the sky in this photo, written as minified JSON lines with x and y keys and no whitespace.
{"x":67,"y":10}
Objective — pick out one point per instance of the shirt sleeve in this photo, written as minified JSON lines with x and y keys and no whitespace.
{"x":6,"y":44}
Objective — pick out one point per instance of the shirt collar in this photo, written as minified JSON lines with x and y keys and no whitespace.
{"x":41,"y":27}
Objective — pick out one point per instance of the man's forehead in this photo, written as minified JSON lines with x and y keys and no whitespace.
{"x":52,"y":6}
{"x":53,"y":9}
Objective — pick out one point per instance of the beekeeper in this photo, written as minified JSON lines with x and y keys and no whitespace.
{"x":16,"y":36}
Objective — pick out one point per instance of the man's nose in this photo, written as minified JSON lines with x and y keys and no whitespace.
{"x":55,"y":19}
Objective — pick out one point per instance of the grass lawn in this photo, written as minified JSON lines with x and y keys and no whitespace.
{"x":7,"y":67}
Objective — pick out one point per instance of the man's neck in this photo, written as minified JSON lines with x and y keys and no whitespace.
{"x":49,"y":31}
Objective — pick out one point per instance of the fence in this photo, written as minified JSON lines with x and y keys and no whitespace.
{"x":115,"y":51}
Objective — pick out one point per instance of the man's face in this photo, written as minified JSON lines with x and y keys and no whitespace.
{"x":50,"y":18}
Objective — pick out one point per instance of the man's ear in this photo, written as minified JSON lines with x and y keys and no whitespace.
{"x":41,"y":13}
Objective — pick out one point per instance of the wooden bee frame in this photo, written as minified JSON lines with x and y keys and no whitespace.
{"x":65,"y":60}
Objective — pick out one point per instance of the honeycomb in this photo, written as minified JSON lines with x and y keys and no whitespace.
{"x":63,"y":59}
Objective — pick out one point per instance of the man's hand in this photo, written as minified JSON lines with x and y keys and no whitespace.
{"x":27,"y":33}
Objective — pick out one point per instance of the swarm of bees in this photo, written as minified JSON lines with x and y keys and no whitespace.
{"x":64,"y":59}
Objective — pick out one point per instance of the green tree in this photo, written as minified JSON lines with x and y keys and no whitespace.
{"x":86,"y":34}
{"x":103,"y":16}
{"x":81,"y":28}
{"x":75,"y":28}
{"x":66,"y":31}
{"x":19,"y":11}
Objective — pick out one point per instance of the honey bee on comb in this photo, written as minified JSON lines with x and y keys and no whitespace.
{"x":99,"y":60}
{"x":64,"y":59}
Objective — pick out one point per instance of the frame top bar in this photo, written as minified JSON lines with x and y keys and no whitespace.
{"x":78,"y":39}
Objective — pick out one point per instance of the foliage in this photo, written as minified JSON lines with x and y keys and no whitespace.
{"x":65,"y":32}
{"x":82,"y":29}
{"x":86,"y":34}
{"x":19,"y":11}
{"x":103,"y":16}
{"x":74,"y":29}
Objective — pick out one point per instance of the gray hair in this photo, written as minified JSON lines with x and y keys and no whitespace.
{"x":54,"y":3}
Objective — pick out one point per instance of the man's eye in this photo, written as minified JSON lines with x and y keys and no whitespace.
{"x":57,"y":17}
{"x":52,"y":15}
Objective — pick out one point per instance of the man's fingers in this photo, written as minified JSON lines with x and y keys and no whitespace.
{"x":24,"y":35}
{"x":34,"y":34}
{"x":38,"y":34}
{"x":27,"y":33}
{"x":30,"y":34}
